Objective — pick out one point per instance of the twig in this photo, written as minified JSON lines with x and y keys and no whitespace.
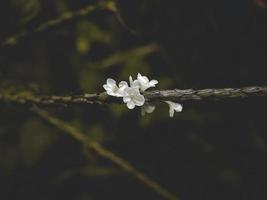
{"x":123,"y":56}
{"x":105,"y":153}
{"x":152,"y":96}
{"x":68,"y":16}
{"x":206,"y":94}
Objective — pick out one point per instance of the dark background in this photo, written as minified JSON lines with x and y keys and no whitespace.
{"x":212,"y":150}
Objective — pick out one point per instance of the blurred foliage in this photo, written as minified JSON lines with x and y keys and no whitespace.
{"x":87,"y":34}
{"x":212,"y":150}
{"x":35,"y":139}
{"x":26,"y":10}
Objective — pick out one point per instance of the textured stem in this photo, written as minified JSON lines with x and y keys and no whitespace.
{"x":105,"y":153}
{"x":152,"y":96}
{"x":206,"y":94}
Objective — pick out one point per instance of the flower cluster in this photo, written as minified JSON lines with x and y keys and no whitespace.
{"x":132,"y":93}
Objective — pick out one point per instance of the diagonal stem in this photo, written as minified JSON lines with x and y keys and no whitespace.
{"x":105,"y":153}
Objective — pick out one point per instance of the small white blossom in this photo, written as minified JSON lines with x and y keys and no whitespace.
{"x":122,"y":86}
{"x":112,"y":88}
{"x":132,"y":94}
{"x":147,"y":108}
{"x":134,"y":83}
{"x":174,"y":107}
{"x":132,"y":97}
{"x":144,"y":82}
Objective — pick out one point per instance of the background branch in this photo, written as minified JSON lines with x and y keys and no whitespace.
{"x":156,"y":95}
{"x":105,"y":153}
{"x":68,"y":16}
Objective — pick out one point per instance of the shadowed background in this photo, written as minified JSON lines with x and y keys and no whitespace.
{"x":212,"y":150}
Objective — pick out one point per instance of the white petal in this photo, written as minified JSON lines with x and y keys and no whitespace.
{"x":153,"y":83}
{"x":174,"y":107}
{"x":111,"y":93}
{"x":178,"y":107}
{"x":133,"y":83}
{"x":128,"y":90}
{"x":171,"y":111}
{"x":136,"y":84}
{"x":130,"y":80}
{"x":130,"y":105}
{"x":123,"y":84}
{"x":149,"y":108}
{"x":135,"y":91}
{"x":145,"y":79}
{"x":170,"y":103}
{"x":118,"y":94}
{"x":144,"y":87}
{"x":139,"y":100}
{"x":111,"y":82}
{"x":142,"y":79}
{"x":132,"y":91}
{"x":126,"y":99}
{"x":106,"y":87}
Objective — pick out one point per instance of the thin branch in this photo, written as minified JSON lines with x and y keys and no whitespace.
{"x":105,"y":153}
{"x":152,"y":96}
{"x":123,"y":56}
{"x":68,"y":16}
{"x":207,"y":94}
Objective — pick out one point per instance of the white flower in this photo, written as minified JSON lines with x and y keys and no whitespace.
{"x":132,"y":97}
{"x":113,"y":90}
{"x":147,"y":108}
{"x":144,"y":82}
{"x":122,"y":86}
{"x":134,"y":83}
{"x":174,"y":107}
